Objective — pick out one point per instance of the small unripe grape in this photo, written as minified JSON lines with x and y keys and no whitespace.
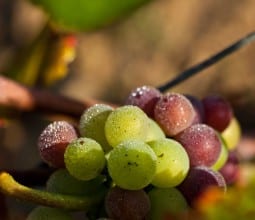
{"x":47,"y":213}
{"x":53,"y":141}
{"x":125,"y":123}
{"x":232,"y":134}
{"x":166,"y":202}
{"x":222,"y":157}
{"x":84,"y":158}
{"x":154,"y":131}
{"x":132,"y":164}
{"x":62,"y":182}
{"x":172,"y":163}
{"x":92,"y":124}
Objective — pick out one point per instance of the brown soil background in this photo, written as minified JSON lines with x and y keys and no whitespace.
{"x":150,"y":47}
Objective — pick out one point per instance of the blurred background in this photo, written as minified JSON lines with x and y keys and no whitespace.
{"x":149,"y":47}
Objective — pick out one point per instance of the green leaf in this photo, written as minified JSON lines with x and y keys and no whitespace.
{"x":87,"y":15}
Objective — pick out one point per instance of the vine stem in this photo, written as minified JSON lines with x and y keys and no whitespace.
{"x":208,"y":62}
{"x":10,"y":187}
{"x":20,"y":97}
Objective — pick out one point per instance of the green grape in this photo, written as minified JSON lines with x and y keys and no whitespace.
{"x":92,"y":124}
{"x":222,"y":157}
{"x":132,"y":164}
{"x":172,"y":163}
{"x":124,"y":123}
{"x":47,"y":213}
{"x":84,"y":158}
{"x":62,"y":182}
{"x":232,"y":134}
{"x":166,"y":202}
{"x":154,"y":131}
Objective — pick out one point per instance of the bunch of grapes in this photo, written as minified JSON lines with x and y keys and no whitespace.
{"x":154,"y":156}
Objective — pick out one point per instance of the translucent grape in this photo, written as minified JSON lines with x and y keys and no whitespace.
{"x":154,"y":131}
{"x":222,"y":157}
{"x":132,"y":164}
{"x":84,"y":158}
{"x":62,"y":182}
{"x":92,"y":124}
{"x":232,"y":134}
{"x":127,"y":204}
{"x":165,"y":202}
{"x":218,"y":112}
{"x":174,"y":112}
{"x":53,"y":141}
{"x":144,"y":97}
{"x":124,"y":123}
{"x":47,"y":213}
{"x":198,"y":180}
{"x":202,"y":144}
{"x":172,"y":163}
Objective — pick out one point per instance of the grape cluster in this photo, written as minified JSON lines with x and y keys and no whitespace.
{"x":155,"y":155}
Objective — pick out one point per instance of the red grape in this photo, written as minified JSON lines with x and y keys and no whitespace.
{"x":199,"y":109}
{"x":218,"y":112}
{"x":121,"y":204}
{"x":174,"y":112}
{"x":199,"y":179}
{"x":53,"y":141}
{"x":230,"y":171}
{"x":201,"y":143}
{"x":144,"y":97}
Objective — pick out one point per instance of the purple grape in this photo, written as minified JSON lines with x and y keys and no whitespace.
{"x":198,"y":180}
{"x":174,"y":113}
{"x":199,"y":109}
{"x":121,"y":204}
{"x":230,"y":171}
{"x":53,"y":141}
{"x":202,"y":144}
{"x":218,"y":112}
{"x":144,"y":97}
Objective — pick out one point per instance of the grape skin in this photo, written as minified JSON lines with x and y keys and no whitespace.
{"x":172,"y":163}
{"x":166,"y":202}
{"x":174,"y":113}
{"x":154,"y":131}
{"x":124,"y":123}
{"x":218,"y":112}
{"x":92,"y":124}
{"x":132,"y":164}
{"x":53,"y":141}
{"x":202,"y":144}
{"x":62,"y":182}
{"x":232,"y":134}
{"x":145,"y":97}
{"x":84,"y":158}
{"x":198,"y":180}
{"x":121,"y":204}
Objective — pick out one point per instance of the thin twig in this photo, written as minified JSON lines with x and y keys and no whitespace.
{"x":20,"y":97}
{"x":208,"y":62}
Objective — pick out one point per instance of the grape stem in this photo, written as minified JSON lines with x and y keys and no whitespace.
{"x":208,"y":62}
{"x":10,"y":187}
